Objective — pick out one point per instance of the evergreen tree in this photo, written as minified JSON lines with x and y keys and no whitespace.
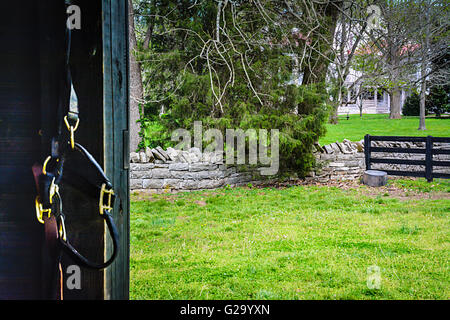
{"x":230,"y":64}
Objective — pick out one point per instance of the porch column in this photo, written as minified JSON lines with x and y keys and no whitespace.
{"x":375,"y":97}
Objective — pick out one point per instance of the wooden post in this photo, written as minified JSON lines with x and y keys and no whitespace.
{"x":367,"y":150}
{"x":429,"y":159}
{"x":116,"y":138}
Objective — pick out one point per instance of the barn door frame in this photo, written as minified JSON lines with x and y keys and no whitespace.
{"x":116,"y":138}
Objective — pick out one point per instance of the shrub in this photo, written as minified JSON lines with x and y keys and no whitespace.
{"x":153,"y":134}
{"x":412,"y":105}
{"x":437,"y":102}
{"x":299,"y":113}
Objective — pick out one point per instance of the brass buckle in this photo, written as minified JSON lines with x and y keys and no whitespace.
{"x":54,"y":189}
{"x":62,"y":229}
{"x":40,"y":210}
{"x":101,"y":205}
{"x":72,"y":130}
{"x":44,"y":166}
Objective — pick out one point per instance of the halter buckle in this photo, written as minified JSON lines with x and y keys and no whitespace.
{"x":40,"y":210}
{"x":62,"y":228}
{"x":54,"y":189}
{"x":44,"y":166}
{"x":101,"y":205}
{"x":72,"y":130}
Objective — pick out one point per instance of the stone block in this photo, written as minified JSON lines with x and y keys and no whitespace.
{"x":152,"y":183}
{"x":185,"y":175}
{"x":336,"y":164}
{"x":141,"y":174}
{"x":149,"y":154}
{"x":143,"y":157}
{"x":136,"y":184}
{"x":335,"y":147}
{"x":172,"y":183}
{"x":328,"y":149}
{"x":374,"y":178}
{"x":202,"y":167}
{"x":161,"y":173}
{"x":211,"y":184}
{"x":179,"y":166}
{"x":173,"y":153}
{"x":162,"y":152}
{"x":134,"y":157}
{"x":189,"y":185}
{"x":158,"y":155}
{"x":185,"y":157}
{"x":341,"y":169}
{"x":352,"y":163}
{"x":142,"y":166}
{"x":325,"y":156}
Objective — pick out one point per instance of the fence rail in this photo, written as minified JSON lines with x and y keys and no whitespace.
{"x":428,"y":151}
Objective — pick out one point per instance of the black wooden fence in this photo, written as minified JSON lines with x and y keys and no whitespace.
{"x":429,"y":151}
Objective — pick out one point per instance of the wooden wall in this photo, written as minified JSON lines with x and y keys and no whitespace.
{"x":31,"y":57}
{"x":20,"y":235}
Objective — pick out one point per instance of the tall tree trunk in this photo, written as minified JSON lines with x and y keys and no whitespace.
{"x":396,"y":93}
{"x":423,"y":89}
{"x":396,"y":104}
{"x":423,"y":70}
{"x":334,"y":119}
{"x":136,"y":89}
{"x":334,"y":113}
{"x":393,"y":60}
{"x":360,"y":102}
{"x":149,"y":33}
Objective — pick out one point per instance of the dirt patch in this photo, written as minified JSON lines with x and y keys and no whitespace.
{"x":402,"y":194}
{"x":144,"y":195}
{"x":390,"y":191}
{"x":200,"y":203}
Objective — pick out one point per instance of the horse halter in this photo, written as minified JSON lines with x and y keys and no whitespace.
{"x":87,"y":176}
{"x":49,"y":202}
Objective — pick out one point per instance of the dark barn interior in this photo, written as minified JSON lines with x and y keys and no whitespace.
{"x":32,"y":52}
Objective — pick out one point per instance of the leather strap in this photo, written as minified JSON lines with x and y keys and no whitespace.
{"x":83,"y":171}
{"x":52,"y":271}
{"x":91,"y":182}
{"x":83,"y":261}
{"x":53,"y":263}
{"x":88,"y":177}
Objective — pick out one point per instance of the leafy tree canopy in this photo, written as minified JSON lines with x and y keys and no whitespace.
{"x":230,"y":65}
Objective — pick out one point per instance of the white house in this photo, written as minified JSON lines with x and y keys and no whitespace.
{"x":372,"y":100}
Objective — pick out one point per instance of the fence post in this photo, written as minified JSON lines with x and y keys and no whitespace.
{"x":367,"y":150}
{"x":429,"y":159}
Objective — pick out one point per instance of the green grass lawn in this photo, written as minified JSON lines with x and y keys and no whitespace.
{"x":355,"y":128}
{"x":300,"y":242}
